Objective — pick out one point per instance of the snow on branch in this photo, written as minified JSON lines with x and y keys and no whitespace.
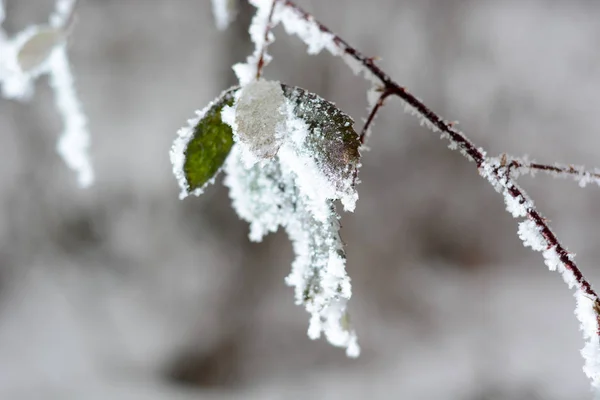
{"x":42,"y":50}
{"x":517,"y":167}
{"x":533,"y":230}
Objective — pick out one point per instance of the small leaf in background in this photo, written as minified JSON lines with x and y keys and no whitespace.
{"x":36,"y":49}
{"x":202,"y":147}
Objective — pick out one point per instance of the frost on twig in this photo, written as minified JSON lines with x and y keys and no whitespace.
{"x":40,"y":50}
{"x":517,"y":167}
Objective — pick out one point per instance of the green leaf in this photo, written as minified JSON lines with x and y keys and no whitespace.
{"x":210,"y":144}
{"x":333,"y":138}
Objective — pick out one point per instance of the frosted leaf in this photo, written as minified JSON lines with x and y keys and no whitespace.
{"x":332,"y":143}
{"x":202,"y":146}
{"x":289,"y":155}
{"x":294,"y":155}
{"x":318,"y":274}
{"x":260,"y":194}
{"x":37,"y":48}
{"x":224,"y":12}
{"x":258,"y":117}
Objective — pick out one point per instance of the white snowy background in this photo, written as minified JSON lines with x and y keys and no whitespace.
{"x":123,"y":291}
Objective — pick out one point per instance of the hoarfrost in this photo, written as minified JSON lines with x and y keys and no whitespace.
{"x":224,"y":12}
{"x":587,"y":313}
{"x":307,"y":29}
{"x":516,"y":206}
{"x":268,"y":196}
{"x":248,"y":71}
{"x":531,"y":236}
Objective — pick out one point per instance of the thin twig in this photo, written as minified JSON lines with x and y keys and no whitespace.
{"x":579,"y":173}
{"x":372,"y":114}
{"x":261,"y":59}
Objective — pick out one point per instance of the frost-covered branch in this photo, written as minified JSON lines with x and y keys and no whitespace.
{"x":517,"y":167}
{"x":533,"y":230}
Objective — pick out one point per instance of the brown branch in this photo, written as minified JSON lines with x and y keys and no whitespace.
{"x":579,"y":173}
{"x":495,"y":176}
{"x":261,"y":59}
{"x":372,"y":114}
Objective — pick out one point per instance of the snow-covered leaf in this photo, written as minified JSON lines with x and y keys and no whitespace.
{"x":332,"y":138}
{"x":202,"y":147}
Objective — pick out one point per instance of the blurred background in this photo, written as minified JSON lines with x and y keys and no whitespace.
{"x":122,"y":291}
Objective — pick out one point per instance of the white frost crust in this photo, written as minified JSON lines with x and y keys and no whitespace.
{"x":587,"y":315}
{"x":531,"y":236}
{"x":268,"y":195}
{"x":180,"y":144}
{"x":73,"y":145}
{"x":307,"y":30}
{"x":224,"y":12}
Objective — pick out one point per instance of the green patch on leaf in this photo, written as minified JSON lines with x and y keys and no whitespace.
{"x":212,"y":140}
